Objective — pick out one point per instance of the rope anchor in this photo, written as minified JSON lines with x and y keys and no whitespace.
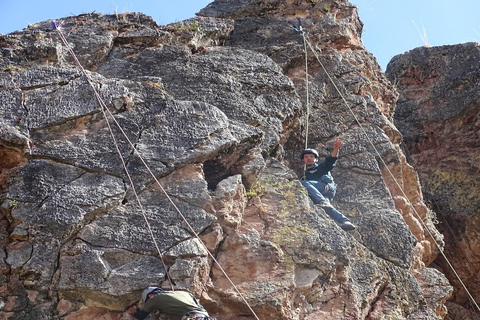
{"x":297,"y":27}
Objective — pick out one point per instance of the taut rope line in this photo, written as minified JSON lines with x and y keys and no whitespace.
{"x":307,"y":120}
{"x":105,"y":111}
{"x":390,"y":173}
{"x":103,"y":108}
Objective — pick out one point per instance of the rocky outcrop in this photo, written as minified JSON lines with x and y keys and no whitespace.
{"x":438,"y":115}
{"x":214,"y":105}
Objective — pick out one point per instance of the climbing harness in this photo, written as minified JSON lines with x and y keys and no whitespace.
{"x":107,"y":114}
{"x":196,"y":315}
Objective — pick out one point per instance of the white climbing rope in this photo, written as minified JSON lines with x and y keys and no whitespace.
{"x":307,"y":116}
{"x":106,"y":112}
{"x":388,"y":170}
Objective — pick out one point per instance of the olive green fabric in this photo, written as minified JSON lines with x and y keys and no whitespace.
{"x":173,"y":304}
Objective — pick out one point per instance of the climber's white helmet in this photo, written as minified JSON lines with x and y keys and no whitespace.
{"x":147,"y":291}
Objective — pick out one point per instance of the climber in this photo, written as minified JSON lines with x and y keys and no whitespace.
{"x":319,"y":182}
{"x":178,"y":305}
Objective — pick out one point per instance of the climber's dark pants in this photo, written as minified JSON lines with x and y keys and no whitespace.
{"x":321,"y":194}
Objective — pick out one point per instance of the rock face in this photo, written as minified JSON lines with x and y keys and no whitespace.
{"x":215,"y":106}
{"x":438,"y":114}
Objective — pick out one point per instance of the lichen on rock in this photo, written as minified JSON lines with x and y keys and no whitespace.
{"x":214,"y":105}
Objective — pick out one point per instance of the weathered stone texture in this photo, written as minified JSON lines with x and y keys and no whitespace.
{"x":215,"y":106}
{"x":438,"y":115}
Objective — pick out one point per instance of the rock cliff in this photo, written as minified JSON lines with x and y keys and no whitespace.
{"x":438,"y":114}
{"x":216,"y":107}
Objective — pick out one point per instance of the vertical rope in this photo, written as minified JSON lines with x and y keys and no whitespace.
{"x":307,"y":117}
{"x":307,"y":120}
{"x":392,"y":176}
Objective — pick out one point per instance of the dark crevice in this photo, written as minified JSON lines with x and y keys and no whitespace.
{"x":86,"y":169}
{"x":46,"y":85}
{"x":215,"y":172}
{"x":378,"y":297}
{"x":69,"y":122}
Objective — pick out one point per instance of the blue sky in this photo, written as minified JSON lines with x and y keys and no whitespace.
{"x":391,"y":27}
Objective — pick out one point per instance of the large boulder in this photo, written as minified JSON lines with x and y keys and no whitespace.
{"x":438,"y":115}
